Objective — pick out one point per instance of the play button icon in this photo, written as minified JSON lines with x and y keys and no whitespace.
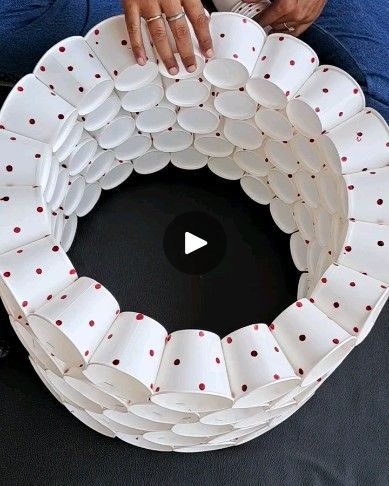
{"x":194,"y":243}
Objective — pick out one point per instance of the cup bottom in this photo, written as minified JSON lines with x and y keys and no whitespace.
{"x":226,"y":73}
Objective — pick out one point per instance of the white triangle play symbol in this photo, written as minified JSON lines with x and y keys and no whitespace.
{"x":193,"y":243}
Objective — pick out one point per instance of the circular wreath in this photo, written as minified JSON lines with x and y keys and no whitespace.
{"x":295,"y":134}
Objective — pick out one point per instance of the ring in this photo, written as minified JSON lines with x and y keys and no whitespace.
{"x":151,"y":19}
{"x":175,"y":17}
{"x":289,"y":28}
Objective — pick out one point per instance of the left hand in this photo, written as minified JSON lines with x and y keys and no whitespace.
{"x":285,"y":15}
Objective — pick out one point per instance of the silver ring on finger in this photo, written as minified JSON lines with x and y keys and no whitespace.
{"x":152,"y":19}
{"x":178,"y":16}
{"x":289,"y":28}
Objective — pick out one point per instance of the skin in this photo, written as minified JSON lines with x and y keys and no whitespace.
{"x":299,"y":14}
{"x":195,"y":14}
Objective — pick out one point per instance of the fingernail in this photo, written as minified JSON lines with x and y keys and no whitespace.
{"x":209,"y":53}
{"x":173,"y":71}
{"x":141,"y":61}
{"x":191,"y":69}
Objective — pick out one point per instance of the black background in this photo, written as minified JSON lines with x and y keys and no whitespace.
{"x":340,"y":437}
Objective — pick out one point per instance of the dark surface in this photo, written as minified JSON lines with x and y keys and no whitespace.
{"x":339,"y":438}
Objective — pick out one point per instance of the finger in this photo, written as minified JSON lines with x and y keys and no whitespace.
{"x":160,"y":38}
{"x":301,"y":29}
{"x":133,"y":22}
{"x":276,"y":12}
{"x":198,"y":18}
{"x":181,"y":33}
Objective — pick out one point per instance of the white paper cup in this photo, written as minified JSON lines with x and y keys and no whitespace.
{"x":98,"y":165}
{"x":103,"y":114}
{"x":34,"y":111}
{"x":236,"y":434}
{"x":343,"y":191}
{"x":57,"y":223}
{"x":152,"y":161}
{"x":327,"y":186}
{"x":24,"y":216}
{"x":243,"y":133}
{"x":324,"y":226}
{"x":328,"y":98}
{"x":200,"y":430}
{"x":282,"y":215}
{"x":313,"y":343}
{"x":119,"y":428}
{"x":261,"y":418}
{"x":157,"y":119}
{"x":351,"y":299}
{"x":27,"y":161}
{"x":71,"y":141}
{"x":41,"y":373}
{"x":192,"y":376}
{"x":257,"y":189}
{"x":32,"y":274}
{"x":225,"y":167}
{"x":143,"y":98}
{"x":214,"y":144}
{"x":360,"y":143}
{"x":115,"y":132}
{"x":200,"y":119}
{"x":110,"y":41}
{"x":283,"y":186}
{"x":86,"y":419}
{"x":303,"y":285}
{"x":251,"y":435}
{"x":325,"y":259}
{"x":139,"y":441}
{"x":128,"y":419}
{"x":57,"y":324}
{"x":89,"y":200}
{"x":74,"y":195}
{"x":52,"y":180}
{"x":82,"y":154}
{"x":235,"y":104}
{"x":119,"y":172}
{"x":366,"y":249}
{"x":366,"y":195}
{"x":153,"y":412}
{"x":127,"y":360}
{"x":230,"y":416}
{"x":69,"y":231}
{"x":60,"y":189}
{"x":281,"y":156}
{"x":174,"y":139}
{"x":307,"y":151}
{"x":136,"y":146}
{"x":253,"y":162}
{"x":189,"y":159}
{"x":233,"y":61}
{"x":257,"y":368}
{"x":169,"y":438}
{"x":274,"y":124}
{"x":203,"y":448}
{"x":307,"y":187}
{"x":284,"y":65}
{"x":187,"y":92}
{"x":72,"y":71}
{"x":313,"y":256}
{"x":298,"y":250}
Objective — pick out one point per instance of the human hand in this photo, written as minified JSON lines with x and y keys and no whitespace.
{"x":152,"y":9}
{"x":290,"y":16}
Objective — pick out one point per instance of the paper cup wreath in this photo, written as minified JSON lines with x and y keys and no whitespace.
{"x":296,"y":135}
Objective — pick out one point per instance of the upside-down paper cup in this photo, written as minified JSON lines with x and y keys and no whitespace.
{"x":73,"y":326}
{"x":200,"y":430}
{"x":33,"y":110}
{"x":307,"y":151}
{"x":144,"y":98}
{"x":98,"y":165}
{"x":31,"y":275}
{"x":299,"y":250}
{"x":313,"y":343}
{"x":236,"y":434}
{"x":313,"y":256}
{"x":85,"y":417}
{"x":157,"y":119}
{"x":115,"y":132}
{"x":235,"y":104}
{"x":233,"y":62}
{"x":110,"y":41}
{"x":360,"y":143}
{"x":57,"y":223}
{"x":103,"y":114}
{"x":254,"y":162}
{"x":82,"y":154}
{"x":257,"y":368}
{"x":257,"y":189}
{"x":351,"y":299}
{"x":174,"y":139}
{"x":281,"y":156}
{"x":189,"y":159}
{"x":127,"y":360}
{"x":52,"y":180}
{"x":192,"y":376}
{"x":284,"y":65}
{"x":89,"y":200}
{"x":153,"y":412}
{"x":324,"y":226}
{"x":213,"y":144}
{"x":70,"y":142}
{"x":230,"y":416}
{"x":283,"y":186}
{"x":366,"y":249}
{"x":60,"y":189}
{"x":130,"y":420}
{"x":136,"y":146}
{"x":74,"y":195}
{"x":366,"y":195}
{"x":139,"y":441}
{"x":169,"y":438}
{"x":152,"y":161}
{"x":225,"y":167}
{"x":303,"y":285}
{"x":307,"y":187}
{"x":69,"y":231}
{"x":24,"y":216}
{"x":327,"y":186}
{"x":72,"y":71}
{"x":327,"y":99}
{"x":243,"y":133}
{"x":199,"y":119}
{"x":27,"y":161}
{"x":187,"y":92}
{"x":274,"y":124}
{"x":119,"y":172}
{"x":41,"y":373}
{"x":261,"y":418}
{"x":282,"y":215}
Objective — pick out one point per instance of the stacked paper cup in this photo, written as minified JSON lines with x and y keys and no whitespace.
{"x":297,"y":136}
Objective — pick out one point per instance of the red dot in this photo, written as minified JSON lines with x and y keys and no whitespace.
{"x":61,"y":49}
{"x":368,"y":307}
{"x":324,"y":280}
{"x":244,"y":388}
{"x":31,"y":121}
{"x":109,"y":336}
{"x":70,"y":68}
{"x":5,"y":198}
{"x":254,"y":353}
{"x":299,"y":304}
{"x":276,"y":349}
{"x":380,"y":202}
{"x":115,"y":362}
{"x":301,"y":371}
{"x":98,"y":286}
{"x":355,"y":90}
{"x":157,"y":389}
{"x":98,"y":76}
{"x":341,"y":113}
{"x":72,"y":272}
{"x":312,"y":60}
{"x":347,"y":248}
{"x":39,"y":209}
{"x":124,"y":42}
{"x":139,"y":317}
{"x":201,"y":333}
{"x":61,"y":116}
{"x":24,"y":303}
{"x":115,"y":72}
{"x":42,"y":68}
{"x":167,"y":339}
{"x":325,"y":90}
{"x":151,"y":352}
{"x":380,"y":243}
{"x":20,"y":88}
{"x":202,"y":386}
{"x":217,"y":360}
{"x":58,"y":322}
{"x":335,"y":341}
{"x":86,"y":353}
{"x":302,"y":337}
{"x":287,"y":93}
{"x":350,"y":187}
{"x":6,"y":274}
{"x":91,"y":323}
{"x":336,"y":305}
{"x":267,"y":76}
{"x":176,"y":362}
{"x":352,"y":284}
{"x":222,"y":35}
{"x":292,"y":62}
{"x":317,"y":109}
{"x":39,"y":271}
{"x":229,"y":340}
{"x":81,"y":89}
{"x":17,"y":229}
{"x":281,"y":38}
{"x":235,"y":56}
{"x":272,"y":327}
{"x":97,"y":32}
{"x":49,"y":297}
{"x":355,"y":329}
{"x":9,"y":168}
{"x":276,"y":377}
